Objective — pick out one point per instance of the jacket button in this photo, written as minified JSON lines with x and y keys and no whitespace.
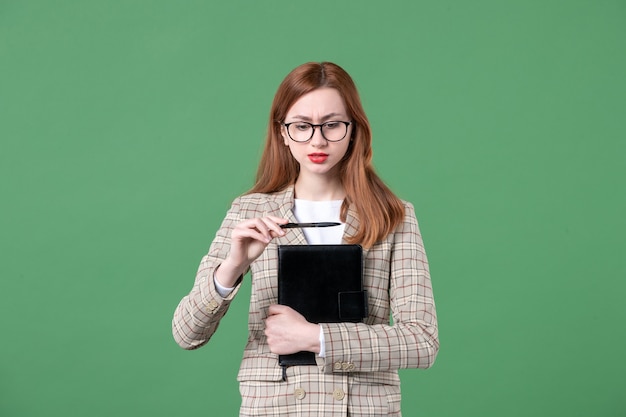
{"x":345,"y":366}
{"x":212,"y":306}
{"x":338,"y":394}
{"x":299,"y":393}
{"x":338,"y":366}
{"x":351,"y":367}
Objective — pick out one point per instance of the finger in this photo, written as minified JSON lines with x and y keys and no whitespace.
{"x":273,"y":224}
{"x":242,"y":234}
{"x":278,"y":220}
{"x":258,"y":225}
{"x":271,"y":310}
{"x":277,"y":309}
{"x":270,"y":227}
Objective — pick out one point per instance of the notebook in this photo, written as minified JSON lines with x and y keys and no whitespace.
{"x":324,"y":283}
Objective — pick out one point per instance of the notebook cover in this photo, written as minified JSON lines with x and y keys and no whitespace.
{"x":324,"y":283}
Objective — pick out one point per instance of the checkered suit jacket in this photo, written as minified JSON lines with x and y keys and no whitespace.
{"x":359,"y":372}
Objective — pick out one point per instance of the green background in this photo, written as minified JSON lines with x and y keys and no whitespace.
{"x":127,"y":128}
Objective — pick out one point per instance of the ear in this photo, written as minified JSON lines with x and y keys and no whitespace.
{"x":283,"y":133}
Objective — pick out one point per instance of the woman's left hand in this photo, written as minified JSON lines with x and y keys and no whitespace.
{"x":287,"y":331}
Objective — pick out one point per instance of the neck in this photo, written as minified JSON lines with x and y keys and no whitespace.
{"x":319,"y":188}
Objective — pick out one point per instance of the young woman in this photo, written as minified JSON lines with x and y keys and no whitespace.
{"x":316,"y":166}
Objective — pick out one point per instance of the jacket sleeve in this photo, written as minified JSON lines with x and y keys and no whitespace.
{"x":412,"y":340}
{"x":199,"y":313}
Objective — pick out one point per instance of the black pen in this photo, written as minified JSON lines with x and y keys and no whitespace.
{"x":301,"y":225}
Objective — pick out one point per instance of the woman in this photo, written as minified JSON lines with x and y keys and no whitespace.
{"x":316,"y":166}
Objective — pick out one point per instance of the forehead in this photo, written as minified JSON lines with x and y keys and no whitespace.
{"x":318,"y":103}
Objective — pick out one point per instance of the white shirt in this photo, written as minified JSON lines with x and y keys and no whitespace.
{"x":307,"y":211}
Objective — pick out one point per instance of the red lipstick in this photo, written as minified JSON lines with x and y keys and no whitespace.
{"x":317,"y":158}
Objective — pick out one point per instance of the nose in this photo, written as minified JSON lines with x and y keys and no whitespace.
{"x":317,"y":140}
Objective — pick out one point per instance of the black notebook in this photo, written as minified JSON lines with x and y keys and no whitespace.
{"x":324,"y":283}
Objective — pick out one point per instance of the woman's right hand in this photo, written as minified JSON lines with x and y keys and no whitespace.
{"x":248,"y":240}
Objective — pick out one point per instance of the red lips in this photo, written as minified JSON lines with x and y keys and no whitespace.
{"x":317,"y":158}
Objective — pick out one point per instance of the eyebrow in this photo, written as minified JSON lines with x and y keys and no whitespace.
{"x":308,"y":119}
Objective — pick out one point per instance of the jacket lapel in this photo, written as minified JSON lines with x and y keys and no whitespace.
{"x":352,"y":225}
{"x":285,"y":200}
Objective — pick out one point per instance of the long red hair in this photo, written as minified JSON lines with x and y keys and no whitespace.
{"x":378,"y":209}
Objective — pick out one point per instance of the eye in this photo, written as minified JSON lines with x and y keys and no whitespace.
{"x":331,"y":125}
{"x":302,"y":126}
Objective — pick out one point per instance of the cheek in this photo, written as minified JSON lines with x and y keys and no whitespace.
{"x":297,"y":153}
{"x":293,"y":151}
{"x":346,"y":149}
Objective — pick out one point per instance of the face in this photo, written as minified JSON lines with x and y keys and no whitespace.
{"x":318,"y":156}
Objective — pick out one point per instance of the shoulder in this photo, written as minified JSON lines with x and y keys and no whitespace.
{"x":261,"y":198}
{"x":407,"y":205}
{"x":256,"y":204}
{"x":409,"y":210}
{"x":410,"y":219}
{"x":255,"y":198}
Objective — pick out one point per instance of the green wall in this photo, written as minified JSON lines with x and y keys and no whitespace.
{"x":127,"y":127}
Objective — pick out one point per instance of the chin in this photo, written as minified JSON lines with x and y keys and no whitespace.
{"x":324,"y":171}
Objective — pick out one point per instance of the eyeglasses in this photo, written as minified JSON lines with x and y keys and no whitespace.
{"x":303,"y":132}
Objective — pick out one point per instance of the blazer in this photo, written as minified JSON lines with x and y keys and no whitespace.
{"x":358,"y":374}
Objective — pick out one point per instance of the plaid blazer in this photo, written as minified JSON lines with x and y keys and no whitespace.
{"x":358,"y":375}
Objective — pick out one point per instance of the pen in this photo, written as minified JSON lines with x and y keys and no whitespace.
{"x":300,"y":225}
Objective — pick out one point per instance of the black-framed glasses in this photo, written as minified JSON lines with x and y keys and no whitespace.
{"x":332,"y":131}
